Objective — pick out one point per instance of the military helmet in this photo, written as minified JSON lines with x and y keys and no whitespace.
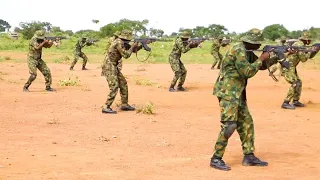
{"x":283,"y":38}
{"x":39,"y":34}
{"x":126,"y":35}
{"x":221,"y":36}
{"x":117,"y":33}
{"x":305,"y":36}
{"x":84,"y":36}
{"x":185,"y":34}
{"x":253,"y":36}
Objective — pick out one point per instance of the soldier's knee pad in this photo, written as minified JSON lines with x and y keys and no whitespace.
{"x":32,"y":77}
{"x":230,"y":127}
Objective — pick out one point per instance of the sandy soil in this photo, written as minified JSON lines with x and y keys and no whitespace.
{"x":64,"y":135}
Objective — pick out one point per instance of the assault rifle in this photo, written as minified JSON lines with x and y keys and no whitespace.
{"x":92,"y":41}
{"x":145,"y":41}
{"x":52,"y":38}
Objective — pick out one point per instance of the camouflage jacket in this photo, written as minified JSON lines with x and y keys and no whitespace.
{"x":235,"y":71}
{"x":215,"y":46}
{"x":80,"y":44}
{"x":179,"y":47}
{"x":110,"y":40}
{"x":117,"y":51}
{"x":294,"y":59}
{"x":33,"y":52}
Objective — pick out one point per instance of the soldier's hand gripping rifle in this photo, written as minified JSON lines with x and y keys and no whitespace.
{"x":144,"y":43}
{"x":92,"y":42}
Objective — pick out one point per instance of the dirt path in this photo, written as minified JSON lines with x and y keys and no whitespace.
{"x":64,"y":135}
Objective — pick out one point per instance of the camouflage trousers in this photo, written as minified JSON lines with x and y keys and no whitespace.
{"x":235,"y":115}
{"x":217,"y":58}
{"x":291,"y":76}
{"x":77,"y":55}
{"x":35,"y":64}
{"x":179,"y":70}
{"x":116,"y":81}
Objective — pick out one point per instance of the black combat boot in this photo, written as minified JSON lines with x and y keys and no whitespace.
{"x":171,"y":89}
{"x":218,"y":163}
{"x":71,"y":68}
{"x":127,"y":107}
{"x":48,"y":88}
{"x":108,"y":110}
{"x":287,"y":105}
{"x":252,"y":160}
{"x":298,"y":104}
{"x":84,"y":68}
{"x":25,"y":89}
{"x":180,"y":88}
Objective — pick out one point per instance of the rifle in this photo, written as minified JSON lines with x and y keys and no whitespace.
{"x":52,"y":38}
{"x":144,"y":42}
{"x":92,"y":41}
{"x":225,"y":42}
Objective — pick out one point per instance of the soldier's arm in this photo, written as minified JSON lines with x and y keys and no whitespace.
{"x":124,"y":53}
{"x":245,"y":69}
{"x":214,"y":48}
{"x":304,"y":56}
{"x":182,"y":47}
{"x":36,"y":45}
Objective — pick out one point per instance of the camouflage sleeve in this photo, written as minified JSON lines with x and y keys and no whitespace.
{"x":182,"y":47}
{"x":34,"y":44}
{"x":124,"y":53}
{"x":303,"y":56}
{"x":245,"y":69}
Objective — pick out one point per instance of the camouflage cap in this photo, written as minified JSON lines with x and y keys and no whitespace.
{"x":221,"y":36}
{"x":84,"y":36}
{"x":126,"y":34}
{"x":253,"y":36}
{"x":305,"y":36}
{"x":283,"y":38}
{"x":117,"y":33}
{"x":39,"y":34}
{"x":185,"y":34}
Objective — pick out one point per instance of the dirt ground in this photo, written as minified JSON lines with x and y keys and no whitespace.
{"x":64,"y":135}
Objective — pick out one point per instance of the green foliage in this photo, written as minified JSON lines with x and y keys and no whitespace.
{"x":275,"y":31}
{"x":148,"y":108}
{"x":4,"y":25}
{"x":29,"y":28}
{"x":70,"y":81}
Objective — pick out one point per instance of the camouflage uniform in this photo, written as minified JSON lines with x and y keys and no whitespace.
{"x":78,"y":53}
{"x":110,"y":41}
{"x":217,"y":57}
{"x":113,"y":75}
{"x":180,"y":46}
{"x":291,"y":75}
{"x":35,"y":62}
{"x":230,"y":88}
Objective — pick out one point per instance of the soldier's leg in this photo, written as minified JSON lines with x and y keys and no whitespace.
{"x":183,"y":76}
{"x":43,"y":68}
{"x":297,"y":93}
{"x":85,"y":60}
{"x":291,"y":78}
{"x":32,"y":65}
{"x":175,"y":66}
{"x":76,"y":57}
{"x":245,"y":129}
{"x":215,"y":60}
{"x":113,"y":82}
{"x":229,"y":117}
{"x":220,"y":61}
{"x":123,"y":85}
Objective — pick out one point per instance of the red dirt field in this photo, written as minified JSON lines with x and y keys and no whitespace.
{"x":64,"y":135}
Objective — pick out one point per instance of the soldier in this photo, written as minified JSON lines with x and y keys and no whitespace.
{"x":180,"y":46}
{"x":78,"y":53}
{"x":291,"y":74}
{"x":35,"y":61}
{"x":230,"y":88}
{"x":277,"y":66}
{"x":119,"y":48}
{"x":217,"y":57}
{"x":110,"y":40}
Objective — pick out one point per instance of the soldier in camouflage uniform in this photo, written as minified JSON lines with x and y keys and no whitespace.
{"x":110,"y":40}
{"x":277,"y":66}
{"x":217,"y":56}
{"x":291,"y":75}
{"x":238,"y":66}
{"x":78,"y":53}
{"x":119,"y":48}
{"x":35,"y":61}
{"x":180,"y":46}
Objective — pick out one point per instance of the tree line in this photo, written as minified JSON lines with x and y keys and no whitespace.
{"x":139,"y":28}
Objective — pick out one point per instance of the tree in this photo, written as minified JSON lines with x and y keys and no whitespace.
{"x":156,"y":32}
{"x":4,"y":26}
{"x":95,"y":21}
{"x":29,"y":28}
{"x":215,"y":30}
{"x":200,"y":31}
{"x":69,"y":32}
{"x":190,"y":31}
{"x":275,"y":31}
